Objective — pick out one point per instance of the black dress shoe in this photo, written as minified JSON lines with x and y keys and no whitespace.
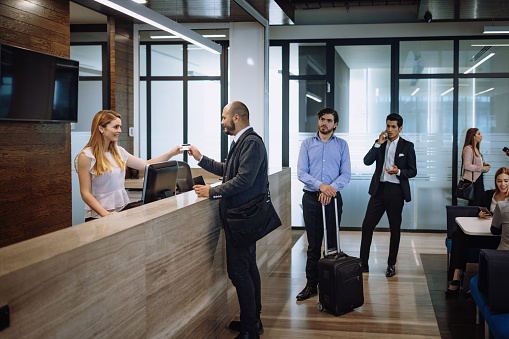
{"x":248,"y":335}
{"x":450,"y":293}
{"x":306,"y":293}
{"x":391,"y":271}
{"x":235,"y":326}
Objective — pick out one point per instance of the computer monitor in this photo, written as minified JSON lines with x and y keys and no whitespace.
{"x":185,"y":178}
{"x":160,"y":181}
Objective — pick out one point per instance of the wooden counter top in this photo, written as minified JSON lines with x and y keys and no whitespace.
{"x":155,"y":270}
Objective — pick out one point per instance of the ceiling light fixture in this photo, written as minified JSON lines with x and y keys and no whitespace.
{"x":496,"y":30}
{"x":488,"y":90}
{"x":490,"y":45}
{"x":416,"y":90}
{"x":155,"y":19}
{"x":156,"y":36}
{"x":477,"y":64}
{"x":314,"y":97}
{"x":450,"y":89}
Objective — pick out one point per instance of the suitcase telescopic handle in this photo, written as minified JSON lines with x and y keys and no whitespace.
{"x":325,"y":226}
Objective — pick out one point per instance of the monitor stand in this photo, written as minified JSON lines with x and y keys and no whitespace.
{"x":166,"y":194}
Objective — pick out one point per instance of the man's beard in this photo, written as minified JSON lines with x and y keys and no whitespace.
{"x":326,"y":131}
{"x":229,"y":128}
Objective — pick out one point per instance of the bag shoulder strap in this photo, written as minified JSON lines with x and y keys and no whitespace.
{"x":473,"y":157}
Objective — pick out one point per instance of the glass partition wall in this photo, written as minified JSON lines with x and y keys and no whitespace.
{"x":182,"y":92}
{"x":441,"y":87}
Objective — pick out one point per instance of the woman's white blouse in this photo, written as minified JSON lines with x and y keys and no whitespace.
{"x":494,"y":204}
{"x":108,"y":188}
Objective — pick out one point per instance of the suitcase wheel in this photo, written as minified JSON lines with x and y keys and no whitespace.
{"x":320,"y":307}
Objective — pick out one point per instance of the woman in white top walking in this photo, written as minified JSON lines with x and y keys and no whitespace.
{"x":473,"y":165}
{"x":101,"y":167}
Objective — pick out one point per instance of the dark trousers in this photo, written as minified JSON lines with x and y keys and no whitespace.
{"x":478,"y":191}
{"x":312,"y":210}
{"x":461,"y":245}
{"x":243,"y":272}
{"x":388,"y":198}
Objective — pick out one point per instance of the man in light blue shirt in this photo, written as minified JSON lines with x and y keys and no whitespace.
{"x":324,"y":168}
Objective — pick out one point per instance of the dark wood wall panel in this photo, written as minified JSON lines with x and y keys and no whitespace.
{"x":35,"y":158}
{"x":121,"y":75}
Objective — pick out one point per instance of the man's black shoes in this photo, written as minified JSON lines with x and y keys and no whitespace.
{"x":235,"y":326}
{"x":391,"y":271}
{"x":306,"y":293}
{"x":248,"y":335}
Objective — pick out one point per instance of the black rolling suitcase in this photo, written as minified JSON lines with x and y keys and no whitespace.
{"x":340,"y":285}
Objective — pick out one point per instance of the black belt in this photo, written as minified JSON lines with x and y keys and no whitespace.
{"x":313,"y":193}
{"x":388,"y":183}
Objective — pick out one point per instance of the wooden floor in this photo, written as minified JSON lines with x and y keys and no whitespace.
{"x":398,"y":307}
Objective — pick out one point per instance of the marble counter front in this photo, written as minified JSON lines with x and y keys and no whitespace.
{"x":158,"y":270}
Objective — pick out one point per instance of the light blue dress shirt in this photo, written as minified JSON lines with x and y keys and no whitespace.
{"x":324,"y":163}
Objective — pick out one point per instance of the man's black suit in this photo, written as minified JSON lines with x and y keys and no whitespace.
{"x":387,"y":197}
{"x":244,"y":178}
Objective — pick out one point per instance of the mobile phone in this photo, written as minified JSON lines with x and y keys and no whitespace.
{"x":505,"y":149}
{"x":199,"y":180}
{"x":185,"y":147}
{"x":485,"y":210}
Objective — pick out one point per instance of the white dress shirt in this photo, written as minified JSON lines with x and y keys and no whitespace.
{"x":390,"y":154}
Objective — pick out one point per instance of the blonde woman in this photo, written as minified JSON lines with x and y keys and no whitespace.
{"x":101,"y":167}
{"x":473,"y":165}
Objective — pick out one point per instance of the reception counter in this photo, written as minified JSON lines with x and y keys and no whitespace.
{"x":158,"y":270}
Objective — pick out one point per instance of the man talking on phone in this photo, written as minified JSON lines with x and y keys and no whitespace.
{"x":389,"y":188}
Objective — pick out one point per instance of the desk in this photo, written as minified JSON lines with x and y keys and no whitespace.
{"x":154,"y":271}
{"x":475,"y":225}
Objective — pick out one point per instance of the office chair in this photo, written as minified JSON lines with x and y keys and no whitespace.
{"x":452,"y":213}
{"x":184,"y":177}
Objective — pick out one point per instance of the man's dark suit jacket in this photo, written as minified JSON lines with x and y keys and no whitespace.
{"x":244,"y":172}
{"x":404,"y":158}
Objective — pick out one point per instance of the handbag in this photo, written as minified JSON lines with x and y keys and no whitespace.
{"x":465,"y":188}
{"x":252,"y":221}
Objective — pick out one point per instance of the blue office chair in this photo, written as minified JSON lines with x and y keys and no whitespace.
{"x":452,"y":213}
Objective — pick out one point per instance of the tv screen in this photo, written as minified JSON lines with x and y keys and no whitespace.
{"x":37,"y":87}
{"x":160,"y":181}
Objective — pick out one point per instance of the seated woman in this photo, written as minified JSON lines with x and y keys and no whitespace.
{"x":500,"y":222}
{"x":461,"y":243}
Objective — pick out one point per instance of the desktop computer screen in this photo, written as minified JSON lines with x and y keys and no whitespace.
{"x":160,"y":181}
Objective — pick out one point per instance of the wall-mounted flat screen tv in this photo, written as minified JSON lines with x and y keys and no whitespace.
{"x":37,"y":87}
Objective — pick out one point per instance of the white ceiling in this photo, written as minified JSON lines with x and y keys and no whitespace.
{"x":83,"y":15}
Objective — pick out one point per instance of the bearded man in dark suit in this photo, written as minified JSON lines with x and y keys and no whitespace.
{"x":389,"y":188}
{"x":244,"y":178}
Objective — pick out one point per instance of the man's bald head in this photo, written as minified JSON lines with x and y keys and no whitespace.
{"x":237,"y":107}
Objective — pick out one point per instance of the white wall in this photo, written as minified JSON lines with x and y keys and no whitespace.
{"x":247,"y":69}
{"x":432,"y":29}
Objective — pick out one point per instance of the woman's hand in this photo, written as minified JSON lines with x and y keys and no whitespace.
{"x":486,"y":167}
{"x":176,"y":150}
{"x":484,"y":215}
